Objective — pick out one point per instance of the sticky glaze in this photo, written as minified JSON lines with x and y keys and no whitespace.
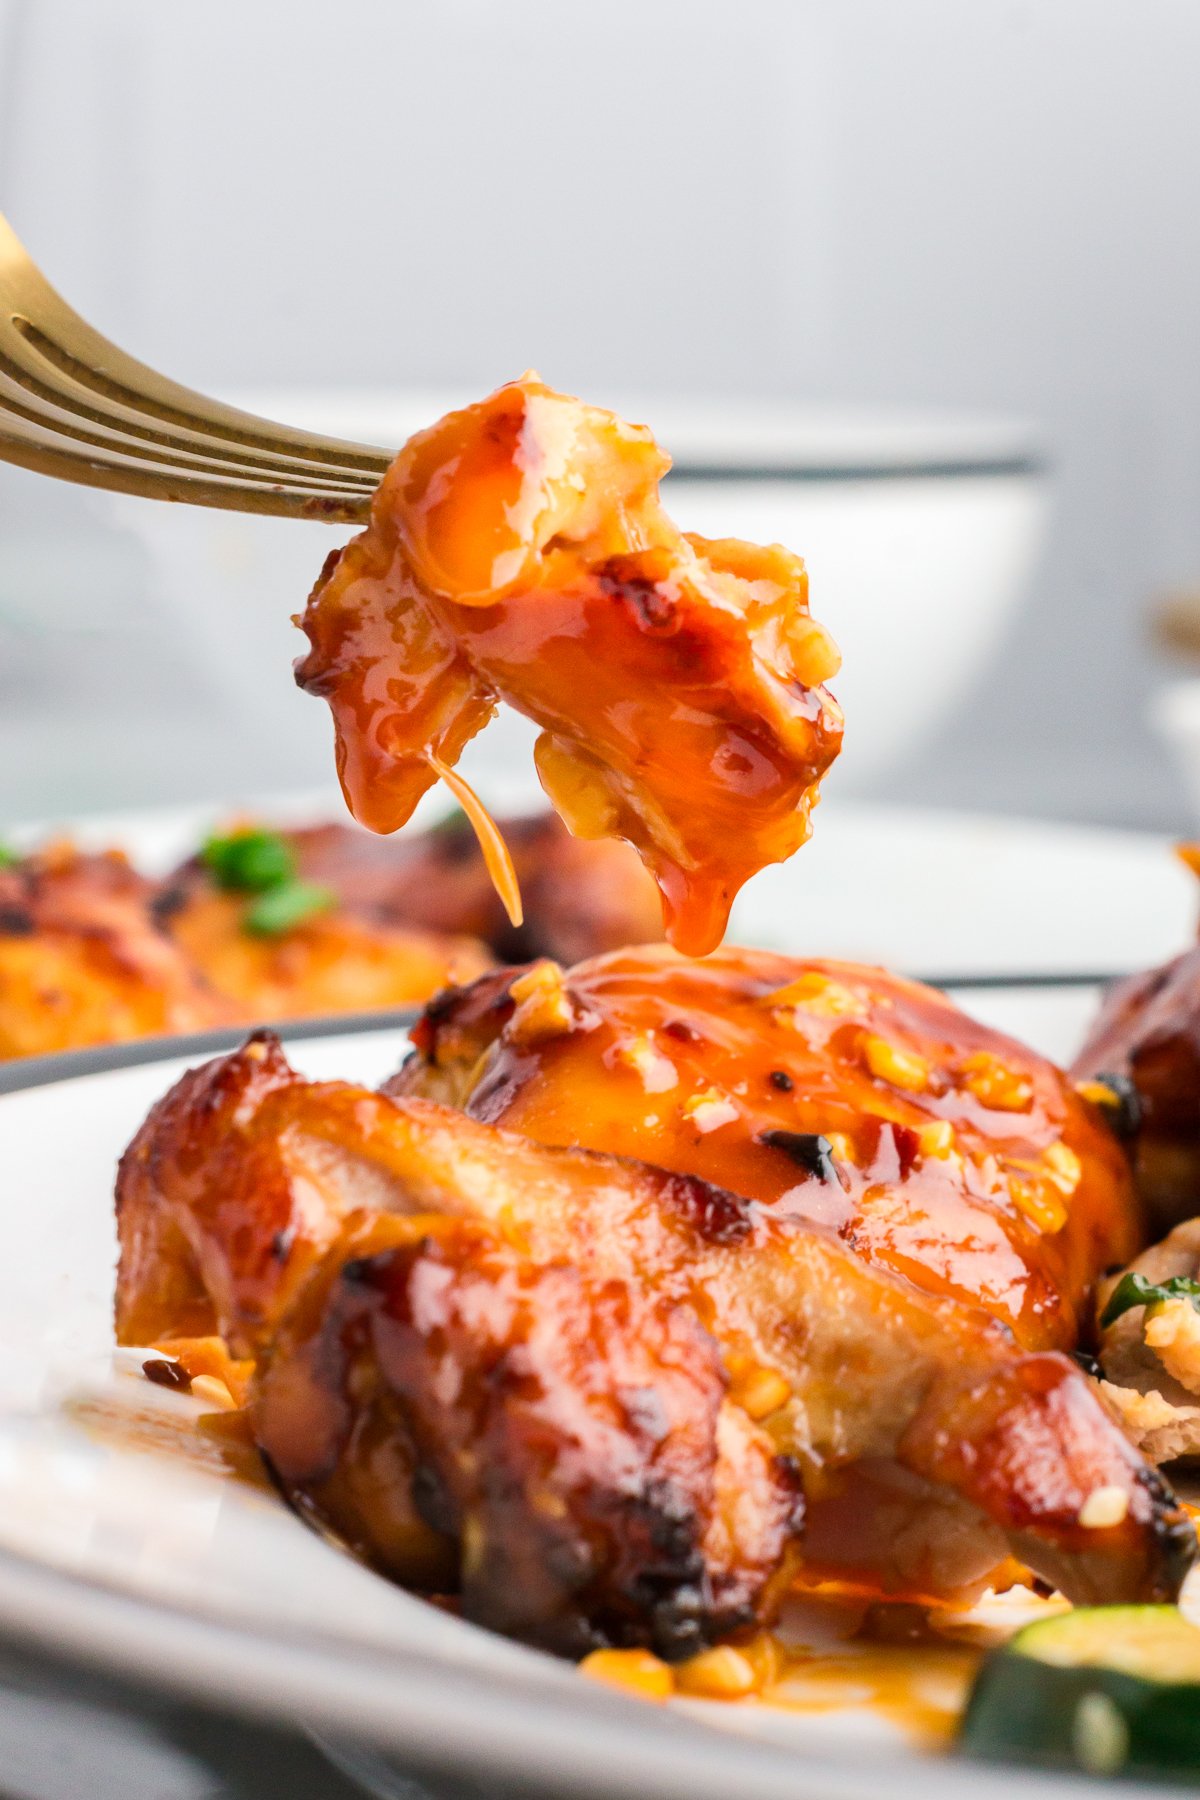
{"x":518,"y":551}
{"x":678,"y":1064}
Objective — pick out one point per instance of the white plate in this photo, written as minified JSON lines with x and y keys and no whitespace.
{"x":117,"y":1547}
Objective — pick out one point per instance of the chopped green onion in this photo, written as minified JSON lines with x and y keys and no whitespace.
{"x":250,"y":862}
{"x":288,"y":904}
{"x":1134,"y":1290}
{"x":454,"y":822}
{"x":8,"y":858}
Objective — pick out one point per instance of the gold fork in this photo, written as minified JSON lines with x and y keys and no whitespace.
{"x":73,"y":405}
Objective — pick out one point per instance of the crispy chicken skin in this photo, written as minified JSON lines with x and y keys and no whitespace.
{"x":608,"y":1401}
{"x":1148,"y":1032}
{"x":335,"y":961}
{"x":518,"y":551}
{"x":438,"y":1382}
{"x":581,"y":897}
{"x":82,"y":960}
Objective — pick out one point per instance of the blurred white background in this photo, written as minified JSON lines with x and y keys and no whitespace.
{"x":991,"y":208}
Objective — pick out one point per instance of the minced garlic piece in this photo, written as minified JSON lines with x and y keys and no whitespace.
{"x":1104,"y":1507}
{"x":765,"y":1655}
{"x":1039,"y":1205}
{"x":900,"y":1068}
{"x":760,"y":1391}
{"x":818,"y":995}
{"x":638,"y":1671}
{"x":709,"y":1110}
{"x":815,"y":656}
{"x":213,"y":1392}
{"x":543,"y":1005}
{"x":721,"y":1673}
{"x":936,"y":1138}
{"x":1172,"y":1331}
{"x":658,"y":1073}
{"x":541,"y":976}
{"x":1064,"y":1166}
{"x":995,"y":1084}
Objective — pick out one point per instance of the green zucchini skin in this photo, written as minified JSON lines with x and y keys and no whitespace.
{"x":1027,"y":1711}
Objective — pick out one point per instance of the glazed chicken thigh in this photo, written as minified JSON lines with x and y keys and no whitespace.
{"x":611,"y":1401}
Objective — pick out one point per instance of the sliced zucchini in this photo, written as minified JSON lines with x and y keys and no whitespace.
{"x":1107,"y":1689}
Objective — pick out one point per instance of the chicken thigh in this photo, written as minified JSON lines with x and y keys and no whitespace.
{"x":610,"y":1401}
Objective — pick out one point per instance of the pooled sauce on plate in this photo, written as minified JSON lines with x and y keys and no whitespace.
{"x":211,"y":1443}
{"x":518,"y":551}
{"x":918,"y":1687}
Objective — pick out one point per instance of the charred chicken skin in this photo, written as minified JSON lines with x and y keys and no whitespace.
{"x":518,"y":551}
{"x":610,"y":1401}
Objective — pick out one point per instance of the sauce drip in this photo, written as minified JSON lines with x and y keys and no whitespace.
{"x":491,"y":842}
{"x":518,"y":551}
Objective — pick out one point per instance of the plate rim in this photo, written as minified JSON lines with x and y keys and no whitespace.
{"x":64,"y":1065}
{"x":448,"y":1717}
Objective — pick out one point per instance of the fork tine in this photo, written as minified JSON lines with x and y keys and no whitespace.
{"x":55,"y":416}
{"x":34,"y":446}
{"x":27,"y":356}
{"x":57,"y":340}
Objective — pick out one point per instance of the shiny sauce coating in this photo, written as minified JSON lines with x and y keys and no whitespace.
{"x":933,"y":1146}
{"x":518,"y":551}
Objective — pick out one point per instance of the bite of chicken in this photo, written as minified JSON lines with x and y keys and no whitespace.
{"x":518,"y":551}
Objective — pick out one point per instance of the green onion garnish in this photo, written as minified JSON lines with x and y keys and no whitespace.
{"x":8,"y":858}
{"x":250,"y":862}
{"x":287,"y":904}
{"x":1134,"y":1290}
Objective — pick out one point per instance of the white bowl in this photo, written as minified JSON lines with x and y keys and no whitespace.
{"x":1175,"y":716}
{"x":919,"y":533}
